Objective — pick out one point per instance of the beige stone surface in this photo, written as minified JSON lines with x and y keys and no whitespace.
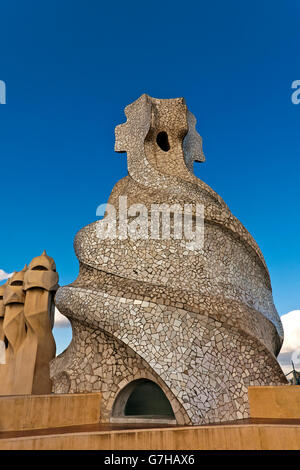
{"x":76,"y":419}
{"x":2,"y":336}
{"x":48,"y":411}
{"x":274,"y":436}
{"x":275,"y":402}
{"x":201,"y":324}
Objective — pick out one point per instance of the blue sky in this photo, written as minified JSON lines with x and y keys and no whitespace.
{"x":70,"y":68}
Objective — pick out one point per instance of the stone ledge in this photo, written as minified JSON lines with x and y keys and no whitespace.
{"x":275,"y":402}
{"x":20,"y":412}
{"x":235,"y":436}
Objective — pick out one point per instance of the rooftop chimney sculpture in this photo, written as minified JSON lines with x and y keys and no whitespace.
{"x":197,"y":321}
{"x":26,"y":322}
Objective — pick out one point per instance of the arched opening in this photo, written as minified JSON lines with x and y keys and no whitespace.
{"x":142,"y":400}
{"x":40,"y":268}
{"x":16,"y":283}
{"x":163,"y":141}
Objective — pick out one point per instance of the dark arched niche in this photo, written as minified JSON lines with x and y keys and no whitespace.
{"x":142,"y":400}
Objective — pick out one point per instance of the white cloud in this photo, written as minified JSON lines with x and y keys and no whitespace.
{"x":60,"y":321}
{"x":4,"y":275}
{"x":291,"y":328}
{"x":290,"y":350}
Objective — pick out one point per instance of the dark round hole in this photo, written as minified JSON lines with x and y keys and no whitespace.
{"x":163,"y":141}
{"x":16,"y":283}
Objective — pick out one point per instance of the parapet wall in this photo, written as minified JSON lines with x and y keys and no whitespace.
{"x":48,"y":411}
